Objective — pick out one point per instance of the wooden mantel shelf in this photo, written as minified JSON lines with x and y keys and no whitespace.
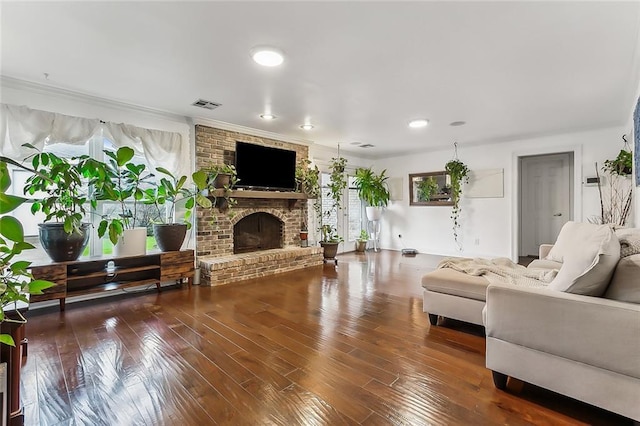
{"x":292,"y":197}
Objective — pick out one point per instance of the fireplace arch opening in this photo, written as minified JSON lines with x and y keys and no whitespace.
{"x":257,"y":231}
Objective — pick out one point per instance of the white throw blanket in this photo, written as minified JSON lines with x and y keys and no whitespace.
{"x":501,"y":270}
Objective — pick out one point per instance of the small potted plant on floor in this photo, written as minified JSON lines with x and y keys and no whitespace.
{"x":361,"y":241}
{"x":372,"y":189}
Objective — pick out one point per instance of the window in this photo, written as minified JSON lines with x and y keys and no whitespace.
{"x":354,"y":211}
{"x":96,"y":246}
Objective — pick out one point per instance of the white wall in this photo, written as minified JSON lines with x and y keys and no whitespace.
{"x":491,"y":221}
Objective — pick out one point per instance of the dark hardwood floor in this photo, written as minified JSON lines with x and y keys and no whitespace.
{"x":323,"y":346}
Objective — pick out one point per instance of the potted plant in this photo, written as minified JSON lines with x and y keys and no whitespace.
{"x":337,"y":184}
{"x":170,"y":191}
{"x":222,"y":176}
{"x":15,"y":279}
{"x":308,"y":178}
{"x":57,"y":184}
{"x":121,"y":181}
{"x":372,"y":188}
{"x":459,"y":174}
{"x":427,"y":187}
{"x":361,"y":241}
{"x":330,"y":242}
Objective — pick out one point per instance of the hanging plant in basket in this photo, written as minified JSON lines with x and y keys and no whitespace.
{"x":459,"y":174}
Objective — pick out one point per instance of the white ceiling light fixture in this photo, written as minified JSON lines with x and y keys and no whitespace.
{"x":421,"y":122}
{"x":307,"y":126}
{"x":267,"y":56}
{"x":267,"y":116}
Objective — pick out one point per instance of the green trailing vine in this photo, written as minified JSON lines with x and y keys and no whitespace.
{"x":459,"y":174}
{"x":336,"y":186}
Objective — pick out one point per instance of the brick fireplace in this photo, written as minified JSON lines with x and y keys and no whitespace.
{"x":257,"y":236}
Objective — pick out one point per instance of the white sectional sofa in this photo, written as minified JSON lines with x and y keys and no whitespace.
{"x":578,"y":336}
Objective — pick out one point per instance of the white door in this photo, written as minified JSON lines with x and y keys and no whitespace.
{"x":348,"y":220}
{"x":546,"y":199}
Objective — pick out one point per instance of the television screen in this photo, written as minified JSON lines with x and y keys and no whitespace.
{"x":265,"y":168}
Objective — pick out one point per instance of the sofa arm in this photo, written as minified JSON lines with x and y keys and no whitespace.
{"x":544,"y":250}
{"x":599,"y":332}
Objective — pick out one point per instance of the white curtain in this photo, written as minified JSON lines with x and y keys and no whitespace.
{"x":20,"y":125}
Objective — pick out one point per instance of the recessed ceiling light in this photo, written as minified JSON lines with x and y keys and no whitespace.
{"x":422,"y":122}
{"x":457,"y":123}
{"x":267,"y":116}
{"x":306,"y":126}
{"x":267,"y":56}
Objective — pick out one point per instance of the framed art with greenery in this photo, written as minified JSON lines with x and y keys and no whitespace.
{"x":430,"y":189}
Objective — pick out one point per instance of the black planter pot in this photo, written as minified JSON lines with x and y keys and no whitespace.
{"x":169,"y":237}
{"x":60,"y":246}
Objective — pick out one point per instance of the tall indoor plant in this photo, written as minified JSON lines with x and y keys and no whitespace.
{"x":337,"y":184}
{"x":459,"y":174}
{"x":121,"y":181}
{"x":372,"y":188}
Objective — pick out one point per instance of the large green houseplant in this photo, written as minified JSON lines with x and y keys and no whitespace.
{"x":15,"y":279}
{"x":166,"y":195}
{"x":372,"y":188}
{"x":121,"y":181}
{"x":459,"y":174}
{"x":57,"y":186}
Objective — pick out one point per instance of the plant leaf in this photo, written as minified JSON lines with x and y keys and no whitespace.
{"x":11,"y":228}
{"x":123,"y":155}
{"x":20,"y":265}
{"x":36,"y":286}
{"x":10,"y":202}
{"x":7,"y":339}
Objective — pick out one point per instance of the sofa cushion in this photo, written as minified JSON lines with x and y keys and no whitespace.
{"x":588,"y":266}
{"x":544,"y":264}
{"x":629,"y":241}
{"x":570,"y":234}
{"x":456,"y":283}
{"x":625,"y":284}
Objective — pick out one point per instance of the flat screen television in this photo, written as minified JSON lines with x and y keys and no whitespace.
{"x":265,"y":168}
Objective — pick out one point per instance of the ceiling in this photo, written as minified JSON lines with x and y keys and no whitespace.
{"x":358,"y":71}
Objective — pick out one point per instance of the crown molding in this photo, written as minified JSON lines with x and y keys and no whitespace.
{"x":29,"y":86}
{"x":249,"y":131}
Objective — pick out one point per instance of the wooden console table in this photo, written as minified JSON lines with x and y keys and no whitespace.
{"x":88,"y":276}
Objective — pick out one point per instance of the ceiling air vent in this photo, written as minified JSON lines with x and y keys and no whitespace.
{"x":206,"y":104}
{"x":366,"y":145}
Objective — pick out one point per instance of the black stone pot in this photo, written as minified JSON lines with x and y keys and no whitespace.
{"x":60,"y":246}
{"x":169,"y":237}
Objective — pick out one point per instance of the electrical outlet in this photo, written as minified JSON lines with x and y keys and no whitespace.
{"x":477,"y":241}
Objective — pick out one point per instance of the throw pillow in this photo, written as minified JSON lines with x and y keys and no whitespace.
{"x":588,"y":266}
{"x":571,"y":236}
{"x":629,"y":241}
{"x":625,"y":284}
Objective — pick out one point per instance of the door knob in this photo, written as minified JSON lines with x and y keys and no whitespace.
{"x":558,"y":214}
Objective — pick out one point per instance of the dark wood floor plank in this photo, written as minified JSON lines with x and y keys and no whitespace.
{"x":327,"y":345}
